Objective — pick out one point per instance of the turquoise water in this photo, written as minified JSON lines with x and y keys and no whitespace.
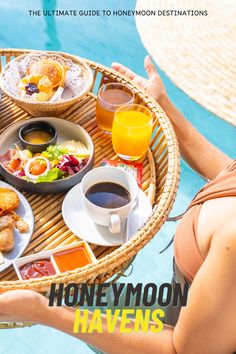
{"x":104,"y":40}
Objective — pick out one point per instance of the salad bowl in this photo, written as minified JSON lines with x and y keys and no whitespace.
{"x":47,"y":183}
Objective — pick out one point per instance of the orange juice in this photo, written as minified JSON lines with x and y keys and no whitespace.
{"x":131,"y":133}
{"x":110,"y":98}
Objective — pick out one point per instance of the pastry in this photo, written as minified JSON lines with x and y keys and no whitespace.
{"x":6,"y":221}
{"x":9,"y":200}
{"x":7,"y":240}
{"x":43,"y":78}
{"x":50,"y":68}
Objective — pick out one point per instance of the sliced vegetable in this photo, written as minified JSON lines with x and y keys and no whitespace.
{"x":53,"y":152}
{"x":71,"y":164}
{"x":37,"y":166}
{"x":52,"y":175}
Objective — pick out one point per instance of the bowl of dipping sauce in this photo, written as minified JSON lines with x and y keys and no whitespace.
{"x":34,"y":266}
{"x":37,"y":269}
{"x":72,"y":257}
{"x":37,"y":136}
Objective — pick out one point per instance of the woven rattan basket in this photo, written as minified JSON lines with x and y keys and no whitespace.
{"x":37,"y":109}
{"x":160,"y":182}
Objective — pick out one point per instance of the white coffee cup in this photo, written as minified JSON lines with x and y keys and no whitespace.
{"x":113,"y":218}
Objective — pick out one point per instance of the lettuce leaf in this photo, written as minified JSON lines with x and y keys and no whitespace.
{"x":53,"y":152}
{"x":52,"y":175}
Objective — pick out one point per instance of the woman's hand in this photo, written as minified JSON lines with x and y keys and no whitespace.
{"x":22,"y":306}
{"x":153,"y":85}
{"x":199,"y":153}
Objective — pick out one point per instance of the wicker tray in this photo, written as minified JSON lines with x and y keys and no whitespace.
{"x":160,"y":182}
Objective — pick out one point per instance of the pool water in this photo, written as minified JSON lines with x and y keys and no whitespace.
{"x":103,"y":39}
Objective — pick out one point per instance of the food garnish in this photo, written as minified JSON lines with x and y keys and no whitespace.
{"x":31,"y":88}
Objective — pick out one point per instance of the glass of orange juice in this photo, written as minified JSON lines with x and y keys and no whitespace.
{"x":110,"y":97}
{"x":132,"y":131}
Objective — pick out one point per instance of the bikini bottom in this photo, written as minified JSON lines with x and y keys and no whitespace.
{"x":171,"y":312}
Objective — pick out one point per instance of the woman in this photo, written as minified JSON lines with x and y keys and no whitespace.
{"x":205,"y":252}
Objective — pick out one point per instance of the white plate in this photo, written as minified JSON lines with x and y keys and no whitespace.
{"x":79,"y":222}
{"x":21,"y":240}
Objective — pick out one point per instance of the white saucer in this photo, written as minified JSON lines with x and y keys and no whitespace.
{"x":79,"y":222}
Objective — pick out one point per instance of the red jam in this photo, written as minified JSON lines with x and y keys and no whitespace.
{"x":37,"y":269}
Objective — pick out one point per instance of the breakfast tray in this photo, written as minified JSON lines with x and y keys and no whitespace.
{"x":160,"y":182}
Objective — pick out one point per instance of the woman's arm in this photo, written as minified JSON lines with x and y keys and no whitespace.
{"x":201,"y":155}
{"x":206,"y":325}
{"x":198,"y":152}
{"x":116,"y":343}
{"x":29,"y":306}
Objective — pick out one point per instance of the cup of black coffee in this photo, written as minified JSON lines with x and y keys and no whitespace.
{"x":109,"y":195}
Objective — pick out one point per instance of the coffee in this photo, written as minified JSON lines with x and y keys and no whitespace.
{"x":108,"y":195}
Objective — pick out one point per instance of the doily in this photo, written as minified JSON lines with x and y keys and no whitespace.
{"x":16,"y":70}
